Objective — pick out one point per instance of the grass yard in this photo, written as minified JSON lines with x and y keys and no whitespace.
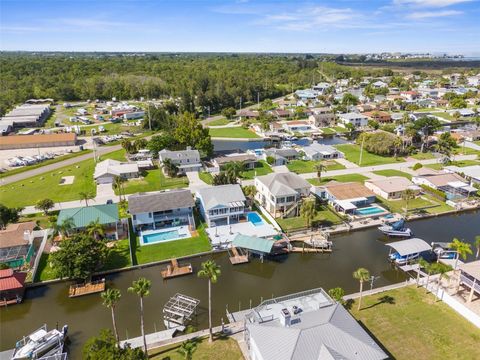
{"x":465,"y":151}
{"x":436,"y":166}
{"x":411,"y":325}
{"x":219,"y":122}
{"x":261,"y":168}
{"x":422,"y":156}
{"x":154,"y":180}
{"x":173,"y":249}
{"x":45,"y":271}
{"x":339,"y":178}
{"x":425,"y":203}
{"x":308,"y":166}
{"x":222,"y":348}
{"x":39,"y":218}
{"x":391,"y":172}
{"x":324,"y":217}
{"x":464,"y":163}
{"x":206,"y":177}
{"x":233,"y":132}
{"x":352,"y":154}
{"x":328,"y":131}
{"x":340,"y":130}
{"x":47,"y":185}
{"x":444,"y":115}
{"x":118,"y":155}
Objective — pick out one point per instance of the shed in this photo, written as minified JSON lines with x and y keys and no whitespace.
{"x":410,"y":246}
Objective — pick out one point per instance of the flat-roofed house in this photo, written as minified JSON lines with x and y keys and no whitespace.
{"x":471,"y":173}
{"x":161,"y":209}
{"x":317,"y":151}
{"x":107,"y":170}
{"x":220,"y":205}
{"x":346,"y":197}
{"x":392,"y":188}
{"x":280,"y":193}
{"x":298,"y":126}
{"x":470,"y":278}
{"x":185,"y":160}
{"x":453,"y":185}
{"x":248,"y":160}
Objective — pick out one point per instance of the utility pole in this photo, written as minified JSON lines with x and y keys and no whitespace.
{"x":361,"y":152}
{"x":94,"y":147}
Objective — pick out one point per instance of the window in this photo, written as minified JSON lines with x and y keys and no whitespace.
{"x":134,"y":217}
{"x":149,"y":215}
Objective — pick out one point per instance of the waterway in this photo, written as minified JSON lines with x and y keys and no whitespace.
{"x":237,"y":287}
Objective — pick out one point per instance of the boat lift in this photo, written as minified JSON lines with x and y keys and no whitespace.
{"x":178,"y":310}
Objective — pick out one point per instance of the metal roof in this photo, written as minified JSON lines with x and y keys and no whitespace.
{"x":472,"y":268}
{"x":222,"y":195}
{"x":83,"y":216}
{"x":253,"y":243}
{"x":160,"y":201}
{"x":410,"y":246}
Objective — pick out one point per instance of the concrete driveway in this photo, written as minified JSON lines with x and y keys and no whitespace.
{"x":194,"y":181}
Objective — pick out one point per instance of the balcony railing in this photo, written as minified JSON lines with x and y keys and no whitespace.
{"x":469,"y":282}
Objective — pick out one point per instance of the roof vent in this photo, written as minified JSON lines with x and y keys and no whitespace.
{"x":285,"y":317}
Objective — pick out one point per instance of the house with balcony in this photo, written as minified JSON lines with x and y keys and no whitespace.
{"x":356,"y":119}
{"x":185,"y":160}
{"x":280,"y":193}
{"x":221,"y":205}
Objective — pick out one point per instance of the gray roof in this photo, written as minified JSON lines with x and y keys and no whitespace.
{"x":282,"y":152}
{"x":327,"y":333}
{"x":237,"y":157}
{"x":410,"y":246}
{"x":180,"y":154}
{"x":351,"y":116}
{"x":160,"y":201}
{"x":220,"y":195}
{"x":281,"y":184}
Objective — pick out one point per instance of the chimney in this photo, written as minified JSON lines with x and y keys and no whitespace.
{"x":285,"y":317}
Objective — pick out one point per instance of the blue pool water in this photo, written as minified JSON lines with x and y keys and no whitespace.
{"x":255,"y":219}
{"x":161,"y":236}
{"x":372,"y":210}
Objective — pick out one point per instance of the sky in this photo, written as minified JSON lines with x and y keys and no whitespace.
{"x":315,"y":26}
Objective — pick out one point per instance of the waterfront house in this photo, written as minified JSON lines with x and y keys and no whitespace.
{"x":317,"y":151}
{"x":248,"y":160}
{"x":17,"y":244}
{"x":12,"y":286}
{"x":307,"y":325}
{"x":470,"y":278}
{"x":185,"y":160}
{"x":105,"y":214}
{"x":222,"y":204}
{"x":298,"y":126}
{"x":453,"y":185}
{"x":322,"y":117}
{"x":392,"y":188}
{"x":356,"y":119}
{"x":471,"y":173}
{"x":161,"y":209}
{"x":281,"y":156}
{"x":107,"y":170}
{"x":281,"y":193}
{"x":345,"y":197}
{"x":379,"y":116}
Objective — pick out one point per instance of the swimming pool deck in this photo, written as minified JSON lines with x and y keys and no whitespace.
{"x":224,"y":234}
{"x":183,"y":231}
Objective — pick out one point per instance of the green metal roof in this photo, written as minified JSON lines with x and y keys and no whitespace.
{"x":83,"y":216}
{"x":253,"y":243}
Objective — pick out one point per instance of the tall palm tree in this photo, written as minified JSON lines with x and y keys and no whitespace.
{"x":110,"y":300}
{"x":64,"y":227}
{"x":320,"y":168}
{"x":234,"y":169}
{"x":477,"y":245}
{"x":141,"y":287}
{"x":187,"y":349}
{"x":308,"y":211}
{"x":362,"y":275}
{"x":86,"y":196}
{"x":408,"y":195}
{"x":118,"y":182}
{"x":95,"y":229}
{"x":462,"y":249}
{"x":211,"y":271}
{"x":250,"y":191}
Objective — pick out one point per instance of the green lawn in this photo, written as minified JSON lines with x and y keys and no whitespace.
{"x":154,"y":180}
{"x":219,"y":122}
{"x":324,"y":217}
{"x":308,"y":166}
{"x":411,"y":325}
{"x":422,"y":156}
{"x":233,"y":132}
{"x":118,"y":155}
{"x":444,"y":115}
{"x":425,"y":203}
{"x":465,"y":151}
{"x":436,"y":166}
{"x":328,"y":131}
{"x":222,"y":348}
{"x":261,"y":168}
{"x":206,"y":177}
{"x":391,"y":172}
{"x":340,"y":178}
{"x":173,"y":249}
{"x":464,"y":163}
{"x":44,"y":271}
{"x":352,"y":154}
{"x":340,"y":129}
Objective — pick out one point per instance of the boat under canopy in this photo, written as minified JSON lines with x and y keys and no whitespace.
{"x":410,"y":246}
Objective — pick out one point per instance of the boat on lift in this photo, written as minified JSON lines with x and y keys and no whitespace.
{"x":397,"y":228}
{"x":443,"y":250}
{"x":40,"y":343}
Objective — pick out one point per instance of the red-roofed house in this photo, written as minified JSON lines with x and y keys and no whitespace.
{"x":12,"y":286}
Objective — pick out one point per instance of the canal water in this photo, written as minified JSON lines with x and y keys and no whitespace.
{"x":237,"y":288}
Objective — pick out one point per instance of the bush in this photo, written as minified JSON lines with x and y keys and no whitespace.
{"x":417,"y":166}
{"x":270,"y":160}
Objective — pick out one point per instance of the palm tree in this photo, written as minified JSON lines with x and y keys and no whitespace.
{"x":477,"y":245}
{"x":170,"y":168}
{"x":187,"y":349}
{"x":408,"y":195}
{"x":86,"y":196}
{"x":64,"y":227}
{"x":462,"y":249}
{"x":110,"y":300}
{"x":250,"y":191}
{"x":319,"y":168}
{"x":308,"y":211}
{"x":362,"y":275}
{"x":234,"y":169}
{"x":118,"y":182}
{"x":95,"y":229}
{"x":141,"y":287}
{"x":211,"y":271}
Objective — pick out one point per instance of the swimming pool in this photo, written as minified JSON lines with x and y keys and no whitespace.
{"x":255,"y":219}
{"x":371,"y":210}
{"x":158,"y":236}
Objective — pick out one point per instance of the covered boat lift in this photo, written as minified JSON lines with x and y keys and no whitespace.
{"x":259,"y":246}
{"x":179,"y":309}
{"x":410,"y":247}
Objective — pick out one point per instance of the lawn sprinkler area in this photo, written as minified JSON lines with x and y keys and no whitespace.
{"x":163,"y":235}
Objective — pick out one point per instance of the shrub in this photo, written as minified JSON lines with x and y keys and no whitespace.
{"x":417,"y":166}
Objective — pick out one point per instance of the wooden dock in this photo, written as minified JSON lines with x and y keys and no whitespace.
{"x":86,"y":289}
{"x":174,"y":270}
{"x":4,"y":302}
{"x":309,"y":250}
{"x":237,"y":258}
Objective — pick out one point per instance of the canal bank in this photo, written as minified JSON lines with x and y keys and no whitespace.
{"x":237,"y":287}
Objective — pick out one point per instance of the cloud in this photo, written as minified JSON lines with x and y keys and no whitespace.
{"x":430,"y":3}
{"x":433,"y":14}
{"x":91,"y":24}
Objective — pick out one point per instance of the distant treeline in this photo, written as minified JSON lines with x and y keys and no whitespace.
{"x":200,"y":81}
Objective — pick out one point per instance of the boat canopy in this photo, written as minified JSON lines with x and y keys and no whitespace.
{"x":410,"y":246}
{"x":398,"y":225}
{"x":253,"y":243}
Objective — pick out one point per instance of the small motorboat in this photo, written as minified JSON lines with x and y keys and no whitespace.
{"x":40,"y":343}
{"x":396,"y":229}
{"x":443,"y":251}
{"x":402,"y":260}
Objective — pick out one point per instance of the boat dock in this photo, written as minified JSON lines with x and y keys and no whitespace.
{"x":86,"y":289}
{"x":295,"y":249}
{"x":174,"y":270}
{"x":8,"y":302}
{"x":237,"y":257}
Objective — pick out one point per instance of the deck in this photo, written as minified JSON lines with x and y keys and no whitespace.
{"x":309,"y":250}
{"x":9,"y":302}
{"x":86,"y":289}
{"x":174,"y":270}
{"x":237,"y":258}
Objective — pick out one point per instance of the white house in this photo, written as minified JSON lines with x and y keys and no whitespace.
{"x":107,"y":170}
{"x":186,"y":160}
{"x":391,"y":188}
{"x":356,"y":119}
{"x":317,"y":151}
{"x":222,"y":204}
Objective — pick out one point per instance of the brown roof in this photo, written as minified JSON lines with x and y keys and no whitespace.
{"x":11,"y":281}
{"x":36,"y":139}
{"x":298,"y":122}
{"x":345,"y":191}
{"x":13,"y":234}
